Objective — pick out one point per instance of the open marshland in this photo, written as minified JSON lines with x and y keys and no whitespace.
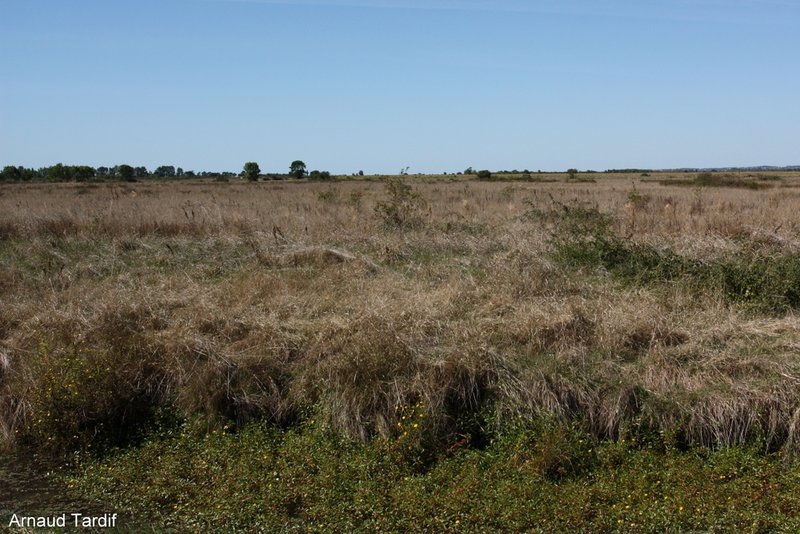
{"x":428,"y":353}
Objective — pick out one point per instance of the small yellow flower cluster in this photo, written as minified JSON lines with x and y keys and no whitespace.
{"x":410,"y":425}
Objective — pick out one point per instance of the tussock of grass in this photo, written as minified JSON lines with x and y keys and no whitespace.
{"x":361,"y":376}
{"x":242,"y":386}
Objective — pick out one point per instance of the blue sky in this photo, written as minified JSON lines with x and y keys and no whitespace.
{"x":378,"y":85}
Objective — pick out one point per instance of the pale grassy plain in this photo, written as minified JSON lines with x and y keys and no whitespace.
{"x":222,"y":299}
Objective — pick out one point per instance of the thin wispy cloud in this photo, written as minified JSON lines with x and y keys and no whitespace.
{"x":694,"y":10}
{"x":451,"y":5}
{"x":521,"y":5}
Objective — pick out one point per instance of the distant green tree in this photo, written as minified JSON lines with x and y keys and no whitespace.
{"x":82,"y":173}
{"x":484,"y":175}
{"x":29,"y":175}
{"x":141,"y":172}
{"x":319,"y":175}
{"x":68,"y":173}
{"x":251,"y":171}
{"x":125,"y":172}
{"x":57,"y":173}
{"x":297,"y":169}
{"x":11,"y":174}
{"x":572,"y":173}
{"x":165,"y":171}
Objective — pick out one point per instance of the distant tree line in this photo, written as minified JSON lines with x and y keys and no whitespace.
{"x":85,"y":173}
{"x":628,"y":171}
{"x":129,"y":173}
{"x":298,"y":170}
{"x":250,"y":172}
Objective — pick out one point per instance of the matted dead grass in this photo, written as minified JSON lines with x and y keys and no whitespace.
{"x":290,"y":300}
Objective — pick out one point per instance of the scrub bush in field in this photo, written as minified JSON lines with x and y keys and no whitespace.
{"x":402,"y":207}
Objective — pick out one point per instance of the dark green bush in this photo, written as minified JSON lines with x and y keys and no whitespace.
{"x":319,"y":175}
{"x":766,"y":283}
{"x":90,"y":399}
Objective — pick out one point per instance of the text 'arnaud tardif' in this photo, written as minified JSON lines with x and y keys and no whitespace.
{"x":64,"y":520}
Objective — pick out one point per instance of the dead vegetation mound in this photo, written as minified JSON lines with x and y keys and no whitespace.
{"x":322,"y":257}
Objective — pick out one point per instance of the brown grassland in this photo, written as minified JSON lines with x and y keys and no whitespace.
{"x":350,"y":303}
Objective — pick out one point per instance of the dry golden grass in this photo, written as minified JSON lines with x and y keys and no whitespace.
{"x":290,"y":300}
{"x":313,"y":212}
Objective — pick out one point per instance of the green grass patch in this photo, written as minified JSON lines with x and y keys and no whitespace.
{"x":708,"y":179}
{"x":309,"y":480}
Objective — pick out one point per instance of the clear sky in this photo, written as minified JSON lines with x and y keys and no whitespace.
{"x":378,"y":85}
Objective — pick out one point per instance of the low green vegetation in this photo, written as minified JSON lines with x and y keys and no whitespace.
{"x":538,"y":477}
{"x":708,"y":179}
{"x":760,"y":279}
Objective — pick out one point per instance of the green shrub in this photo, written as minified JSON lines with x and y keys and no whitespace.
{"x":90,"y":398}
{"x":584,"y":237}
{"x":403,"y":206}
{"x":329,"y":196}
{"x":707,"y":179}
{"x":554,"y":451}
{"x":319,"y":175}
{"x":638,"y":199}
{"x":765,"y":283}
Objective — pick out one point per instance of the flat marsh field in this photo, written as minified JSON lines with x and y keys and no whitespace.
{"x":612,"y":352}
